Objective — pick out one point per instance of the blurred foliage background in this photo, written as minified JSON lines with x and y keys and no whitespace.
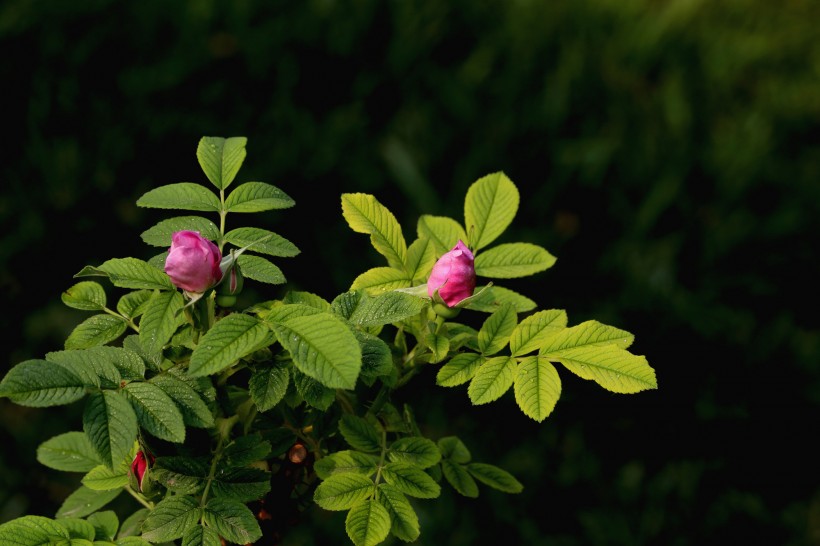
{"x":667,"y":152}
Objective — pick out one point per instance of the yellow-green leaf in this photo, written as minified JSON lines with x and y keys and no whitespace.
{"x":364,"y":214}
{"x":489,"y":208}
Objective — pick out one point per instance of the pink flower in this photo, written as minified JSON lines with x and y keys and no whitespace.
{"x":193,"y":262}
{"x":453,"y":276}
{"x":139,"y":465}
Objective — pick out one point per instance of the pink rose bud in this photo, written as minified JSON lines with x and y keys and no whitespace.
{"x":139,"y":465}
{"x":193,"y":262}
{"x":453,"y":276}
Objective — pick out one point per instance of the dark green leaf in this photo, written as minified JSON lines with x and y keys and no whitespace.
{"x":232,"y":520}
{"x":345,"y":461}
{"x":454,"y":449}
{"x":86,"y":296}
{"x":404,"y":521}
{"x":111,"y":426}
{"x":195,"y":412}
{"x":268,"y":385}
{"x":170,"y":518}
{"x":231,"y":338}
{"x":40,"y":383}
{"x":161,"y":233}
{"x":495,"y":477}
{"x":415,"y":450}
{"x":221,"y":158}
{"x":359,"y":433}
{"x":156,"y":411}
{"x":411,"y":480}
{"x":69,"y":452}
{"x":367,"y":523}
{"x":459,"y":478}
{"x":96,"y":330}
{"x":84,"y":501}
{"x":257,"y":197}
{"x":343,"y":491}
{"x":182,"y":195}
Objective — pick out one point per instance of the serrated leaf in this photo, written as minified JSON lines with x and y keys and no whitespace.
{"x":404,"y":521}
{"x":489,"y":300}
{"x":231,"y":338}
{"x":131,"y":343}
{"x":421,"y":256}
{"x":489,"y":208}
{"x":496,"y":330}
{"x":262,"y":241}
{"x":306,"y":298}
{"x":182,"y":475}
{"x":161,"y":233}
{"x":84,"y":501}
{"x":161,"y":319}
{"x":613,"y":368}
{"x":442,"y":231}
{"x":86,"y":296}
{"x":260,"y":269}
{"x":105,"y":524}
{"x":128,"y":363}
{"x":359,"y":433}
{"x":111,"y":426}
{"x":232,"y":520}
{"x":367,"y":523}
{"x":381,"y":279}
{"x":457,"y":476}
{"x":132,"y":305}
{"x":245,"y":450}
{"x":195,"y":411}
{"x":343,"y":491}
{"x":345,"y":461}
{"x":78,"y":529}
{"x":321,"y":345}
{"x":453,"y":448}
{"x":69,"y":452}
{"x":131,"y":273}
{"x":268,"y":385}
{"x":221,"y":158}
{"x":513,"y":260}
{"x":415,"y":450}
{"x":156,"y":411}
{"x":460,"y":369}
{"x":439,"y":346}
{"x":170,"y":518}
{"x":94,"y":331}
{"x":495,"y":477}
{"x":131,"y":541}
{"x":200,"y":536}
{"x":133,"y":523}
{"x":492,"y":379}
{"x":364,"y":214}
{"x":346,"y":303}
{"x":182,"y":195}
{"x":241,"y":484}
{"x":388,"y":308}
{"x":537,"y":387}
{"x":590,"y":332}
{"x":411,"y":480}
{"x":102,"y":478}
{"x":257,"y":197}
{"x":89,"y":365}
{"x":31,"y":531}
{"x":377,"y":360}
{"x":529,"y":335}
{"x":40,"y":383}
{"x":314,"y":393}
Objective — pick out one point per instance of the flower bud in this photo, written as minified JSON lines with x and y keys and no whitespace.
{"x":453,"y":276}
{"x":193,"y":262}
{"x":138,"y":467}
{"x":231,"y":286}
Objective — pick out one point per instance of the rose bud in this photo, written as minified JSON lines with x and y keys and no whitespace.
{"x":453,"y":276}
{"x":138,"y":467}
{"x":193,"y":262}
{"x":228,"y":289}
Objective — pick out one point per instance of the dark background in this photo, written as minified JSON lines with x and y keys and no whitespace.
{"x":667,"y":152}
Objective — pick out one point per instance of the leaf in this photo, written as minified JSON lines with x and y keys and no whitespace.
{"x":380,"y":279}
{"x":132,"y":305}
{"x":404,"y":521}
{"x":131,"y":273}
{"x":460,"y":369}
{"x":156,"y":411}
{"x":377,"y":360}
{"x":321,"y":345}
{"x":489,"y":207}
{"x":131,"y":343}
{"x":259,"y":269}
{"x":513,"y":260}
{"x":411,"y":480}
{"x":231,"y":338}
{"x":268,"y":385}
{"x":439,"y":346}
{"x":86,"y":296}
{"x":533,"y":330}
{"x":195,"y":412}
{"x":170,"y":518}
{"x":84,"y":501}
{"x":415,"y":450}
{"x":364,"y":214}
{"x":221,"y":158}
{"x":613,"y":368}
{"x":496,"y":330}
{"x":40,"y":384}
{"x":161,"y":319}
{"x":492,"y":379}
{"x":127,"y":363}
{"x":182,"y":195}
{"x":241,"y":484}
{"x":388,"y":308}
{"x":200,"y":536}
{"x":133,"y":523}
{"x":78,"y":529}
{"x":69,"y":452}
{"x":590,"y":332}
{"x":457,"y":476}
{"x":442,"y":231}
{"x":492,"y":298}
{"x":257,"y":197}
{"x":421,"y":256}
{"x":111,"y":426}
{"x":345,"y":461}
{"x":359,"y":433}
{"x":495,"y":477}
{"x":131,"y":541}
{"x":245,"y":450}
{"x":537,"y":387}
{"x":343,"y":491}
{"x":31,"y":531}
{"x":368,"y":523}
{"x":262,"y":241}
{"x":306,"y":298}
{"x":314,"y":393}
{"x":182,"y":475}
{"x":102,"y":478}
{"x":95,"y":330}
{"x":105,"y":524}
{"x":90,"y":365}
{"x":454,"y":449}
{"x":162,"y":233}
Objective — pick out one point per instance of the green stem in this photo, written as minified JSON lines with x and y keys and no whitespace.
{"x":139,"y":498}
{"x":378,"y":477}
{"x":127,"y":320}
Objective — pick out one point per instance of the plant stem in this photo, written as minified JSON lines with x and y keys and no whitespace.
{"x":139,"y":498}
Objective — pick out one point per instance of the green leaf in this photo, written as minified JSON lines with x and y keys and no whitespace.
{"x":530,"y":334}
{"x":321,"y":345}
{"x":232,"y":520}
{"x":161,"y":233}
{"x":368,"y":523}
{"x":489,"y":207}
{"x":161,"y":319}
{"x":415,"y":450}
{"x":442,"y":231}
{"x":495,"y":477}
{"x":262,"y":241}
{"x":96,"y":330}
{"x":346,"y":303}
{"x":496,"y":330}
{"x":388,"y":308}
{"x":84,"y":501}
{"x":359,"y":433}
{"x":454,"y":449}
{"x":182,"y":195}
{"x":156,"y":411}
{"x":537,"y":387}
{"x":78,"y":529}
{"x":439,"y":346}
{"x":111,"y":426}
{"x":257,"y":197}
{"x":89,"y":365}
{"x":377,"y":360}
{"x":512,"y":260}
{"x":460,"y":369}
{"x":411,"y":480}
{"x":133,"y":523}
{"x":86,"y":296}
{"x":380,"y":279}
{"x":421,"y":256}
{"x":40,"y":384}
{"x":313,"y":392}
{"x":32,"y":531}
{"x":182,"y":475}
{"x":492,"y":298}
{"x":231,"y":338}
{"x":105,"y":524}
{"x":200,"y":536}
{"x":241,"y":484}
{"x":102,"y":478}
{"x":132,"y":305}
{"x":343,"y":491}
{"x":128,"y":363}
{"x":170,"y":518}
{"x":268,"y":385}
{"x":613,"y":368}
{"x":131,"y":541}
{"x":195,"y":412}
{"x":492,"y":380}
{"x":131,"y":273}
{"x":245,"y":450}
{"x":69,"y":452}
{"x":221,"y":158}
{"x":306,"y":298}
{"x":345,"y":461}
{"x":364,"y":214}
{"x":457,"y":476}
{"x":404,"y":521}
{"x":259,"y":269}
{"x":590,"y":332}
